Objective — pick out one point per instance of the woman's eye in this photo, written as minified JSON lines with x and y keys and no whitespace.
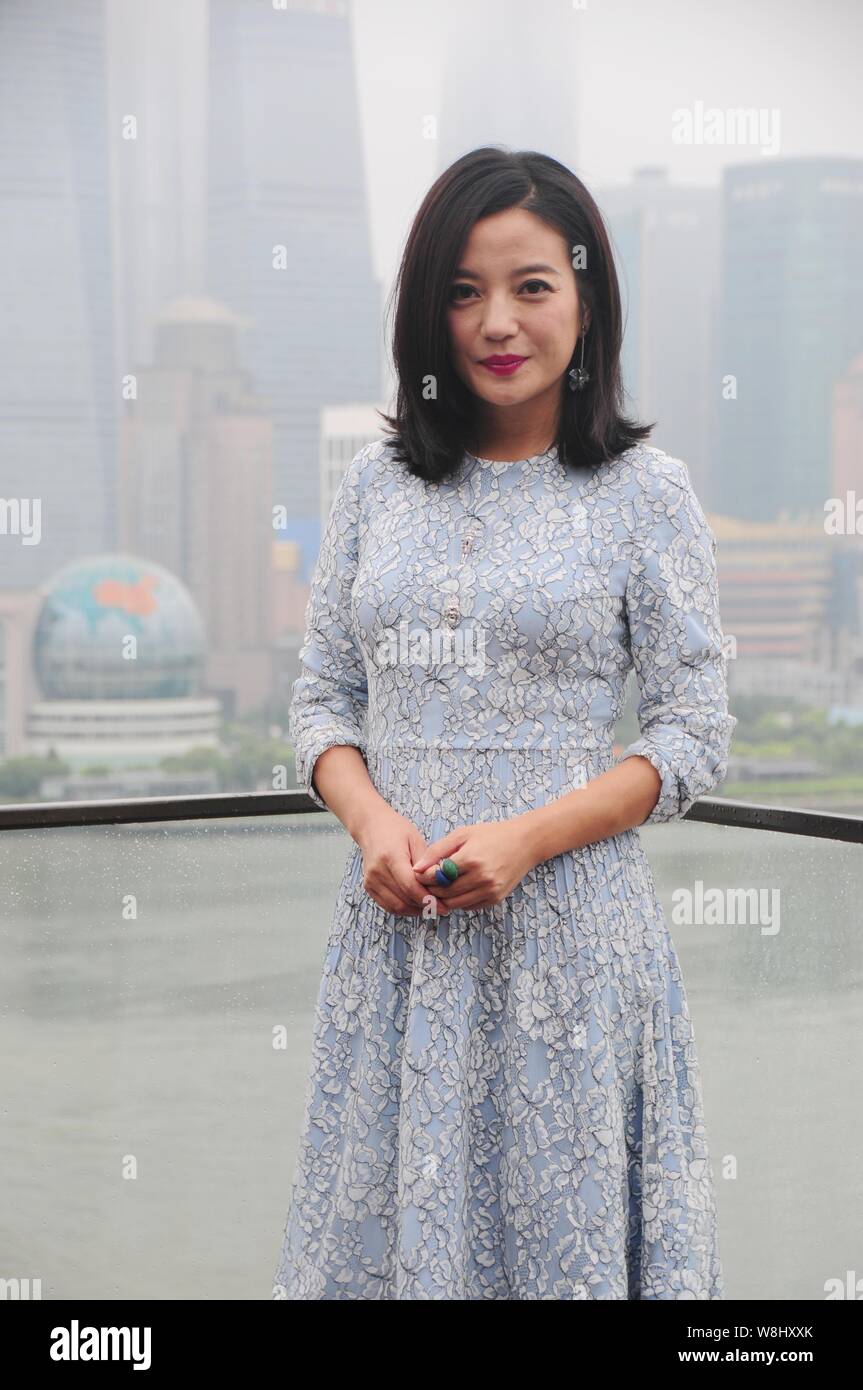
{"x":457,"y":297}
{"x":541,"y":283}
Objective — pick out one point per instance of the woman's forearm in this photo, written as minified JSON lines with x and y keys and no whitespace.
{"x":342,"y":780}
{"x":614,"y":801}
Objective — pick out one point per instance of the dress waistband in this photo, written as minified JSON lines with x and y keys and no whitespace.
{"x":574,"y":750}
{"x":447,"y":783}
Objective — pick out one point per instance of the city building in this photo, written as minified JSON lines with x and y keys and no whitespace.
{"x":196,"y":490}
{"x":790,"y":628}
{"x":288,"y":245}
{"x":59,"y":395}
{"x":666,"y":243}
{"x":790,"y":325}
{"x":118,"y":656}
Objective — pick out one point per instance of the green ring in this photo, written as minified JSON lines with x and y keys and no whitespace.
{"x":450,"y":869}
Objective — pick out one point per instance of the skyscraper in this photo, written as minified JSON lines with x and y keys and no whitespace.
{"x":286,"y":171}
{"x":58,"y":391}
{"x":196,"y":489}
{"x":665,"y":239}
{"x":791,"y":322}
{"x":493,"y":52}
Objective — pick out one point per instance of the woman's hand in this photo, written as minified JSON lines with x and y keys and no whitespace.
{"x":390,"y":845}
{"x":491,"y":857}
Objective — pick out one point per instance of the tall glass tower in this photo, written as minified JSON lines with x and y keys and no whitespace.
{"x":791,"y":322}
{"x":58,"y":391}
{"x":285,"y":169}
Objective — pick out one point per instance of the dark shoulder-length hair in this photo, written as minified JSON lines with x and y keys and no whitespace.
{"x":434,"y":419}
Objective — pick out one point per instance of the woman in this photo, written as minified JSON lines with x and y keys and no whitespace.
{"x":504,"y":1099}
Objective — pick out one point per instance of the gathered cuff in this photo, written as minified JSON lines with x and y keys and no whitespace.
{"x":675,"y":795}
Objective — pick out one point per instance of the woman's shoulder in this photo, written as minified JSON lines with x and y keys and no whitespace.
{"x":364,"y":461}
{"x":648,"y":470}
{"x":655,"y":493}
{"x":374,"y":461}
{"x":652,"y":490}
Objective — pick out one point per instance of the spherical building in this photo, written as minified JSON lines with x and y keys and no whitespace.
{"x":118,"y":651}
{"x":116,"y":628}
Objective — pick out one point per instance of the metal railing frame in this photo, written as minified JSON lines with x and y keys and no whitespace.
{"x":42,"y":815}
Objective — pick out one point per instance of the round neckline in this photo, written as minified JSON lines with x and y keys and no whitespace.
{"x":500,"y":464}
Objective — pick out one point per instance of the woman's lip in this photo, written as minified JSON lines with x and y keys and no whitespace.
{"x":504,"y":368}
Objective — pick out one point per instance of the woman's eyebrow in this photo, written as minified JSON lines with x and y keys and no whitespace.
{"x":522,"y":270}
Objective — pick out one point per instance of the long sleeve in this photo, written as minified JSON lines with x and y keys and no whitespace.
{"x":330,"y":696}
{"x":672,"y":604}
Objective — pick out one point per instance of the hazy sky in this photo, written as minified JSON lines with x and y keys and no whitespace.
{"x":634,"y":64}
{"x":626,"y":66}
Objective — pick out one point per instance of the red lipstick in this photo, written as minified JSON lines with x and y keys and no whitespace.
{"x":505,"y":365}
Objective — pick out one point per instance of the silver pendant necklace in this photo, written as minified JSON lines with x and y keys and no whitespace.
{"x":452,"y":606}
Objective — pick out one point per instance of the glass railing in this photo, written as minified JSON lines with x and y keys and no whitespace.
{"x":150,"y":1124}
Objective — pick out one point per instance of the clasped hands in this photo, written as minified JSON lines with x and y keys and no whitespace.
{"x":399,"y":867}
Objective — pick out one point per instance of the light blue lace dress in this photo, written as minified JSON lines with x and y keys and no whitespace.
{"x":506,"y":1103}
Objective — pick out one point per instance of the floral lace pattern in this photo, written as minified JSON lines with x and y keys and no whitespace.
{"x":506,"y":1103}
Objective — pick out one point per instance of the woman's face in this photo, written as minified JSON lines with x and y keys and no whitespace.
{"x":514,"y":295}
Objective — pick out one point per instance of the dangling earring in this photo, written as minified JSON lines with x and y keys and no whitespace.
{"x":578,"y":376}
